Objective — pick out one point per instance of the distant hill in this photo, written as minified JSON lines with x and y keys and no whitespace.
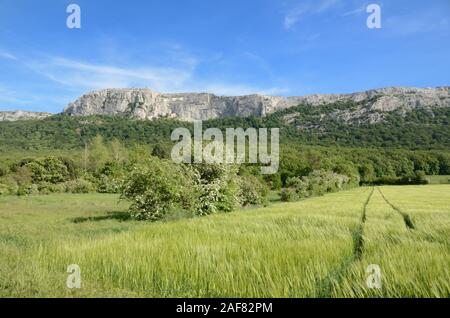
{"x":366,"y":107}
{"x":147,"y":104}
{"x":22,"y":115}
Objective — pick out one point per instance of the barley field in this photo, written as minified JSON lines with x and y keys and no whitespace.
{"x":320,"y":247}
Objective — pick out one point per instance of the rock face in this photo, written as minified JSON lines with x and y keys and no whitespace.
{"x":22,"y":115}
{"x":147,"y":104}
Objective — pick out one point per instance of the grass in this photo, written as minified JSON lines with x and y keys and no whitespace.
{"x":318,"y":247}
{"x":414,"y":261}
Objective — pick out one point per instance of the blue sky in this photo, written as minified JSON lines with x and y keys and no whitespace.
{"x":227,"y":47}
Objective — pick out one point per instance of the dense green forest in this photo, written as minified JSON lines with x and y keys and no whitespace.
{"x":420,"y":129}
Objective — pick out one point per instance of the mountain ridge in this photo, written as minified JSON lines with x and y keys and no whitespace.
{"x":144,"y":103}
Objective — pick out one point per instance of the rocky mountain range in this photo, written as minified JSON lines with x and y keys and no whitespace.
{"x":147,"y":104}
{"x":22,"y":115}
{"x":143,"y":103}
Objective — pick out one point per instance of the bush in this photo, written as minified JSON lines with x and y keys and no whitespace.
{"x":289,"y":195}
{"x":3,"y":169}
{"x":28,"y":190}
{"x":161,"y":188}
{"x":418,"y":178}
{"x":316,"y":183}
{"x":107,"y":184}
{"x":8,"y":186}
{"x":158,"y":188}
{"x":4,"y":190}
{"x":48,"y":188}
{"x":79,"y":186}
{"x":251,"y":190}
{"x":49,"y":169}
{"x":218,"y":188}
{"x":22,"y":176}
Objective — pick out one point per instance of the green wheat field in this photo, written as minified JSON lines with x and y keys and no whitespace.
{"x":320,"y":247}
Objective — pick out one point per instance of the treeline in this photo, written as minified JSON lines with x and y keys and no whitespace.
{"x":369,"y":165}
{"x":103,"y":165}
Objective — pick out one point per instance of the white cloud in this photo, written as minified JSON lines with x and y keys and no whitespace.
{"x":354,"y":12}
{"x":307,"y":7}
{"x":8,"y":56}
{"x":294,"y":15}
{"x":79,"y":74}
{"x":325,"y":5}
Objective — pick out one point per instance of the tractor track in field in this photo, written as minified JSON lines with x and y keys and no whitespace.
{"x":406,"y":218}
{"x":358,"y":235}
{"x":325,"y":286}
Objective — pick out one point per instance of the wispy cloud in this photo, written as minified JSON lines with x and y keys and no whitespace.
{"x":7,"y":55}
{"x":80,"y":74}
{"x":296,"y":13}
{"x":356,"y":11}
{"x":77,"y":74}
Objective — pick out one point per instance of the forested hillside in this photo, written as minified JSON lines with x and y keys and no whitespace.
{"x":328,"y":125}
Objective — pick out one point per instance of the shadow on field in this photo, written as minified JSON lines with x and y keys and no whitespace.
{"x":120,"y":216}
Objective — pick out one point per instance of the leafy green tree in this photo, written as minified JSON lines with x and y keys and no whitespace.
{"x":97,"y":154}
{"x":158,"y":188}
{"x":49,"y":169}
{"x":118,"y":151}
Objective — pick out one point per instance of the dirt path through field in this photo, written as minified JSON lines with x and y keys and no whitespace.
{"x":406,"y":218}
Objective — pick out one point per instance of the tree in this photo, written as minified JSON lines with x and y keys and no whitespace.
{"x":158,"y":188}
{"x":97,"y":154}
{"x":118,"y":151}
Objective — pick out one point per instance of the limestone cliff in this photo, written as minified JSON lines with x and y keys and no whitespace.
{"x":21,"y":115}
{"x":147,"y":104}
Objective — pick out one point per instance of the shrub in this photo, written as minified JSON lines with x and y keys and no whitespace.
{"x":273,"y":181}
{"x":3,"y":169}
{"x":107,"y":184}
{"x":79,"y":186}
{"x":218,"y":188}
{"x":48,"y":188}
{"x":110,"y":177}
{"x":158,"y":188}
{"x":289,"y":195}
{"x":28,"y":190}
{"x":251,"y":190}
{"x":8,"y":186}
{"x":417,"y":178}
{"x":49,"y":169}
{"x":4,"y":190}
{"x":316,"y":183}
{"x":22,"y":176}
